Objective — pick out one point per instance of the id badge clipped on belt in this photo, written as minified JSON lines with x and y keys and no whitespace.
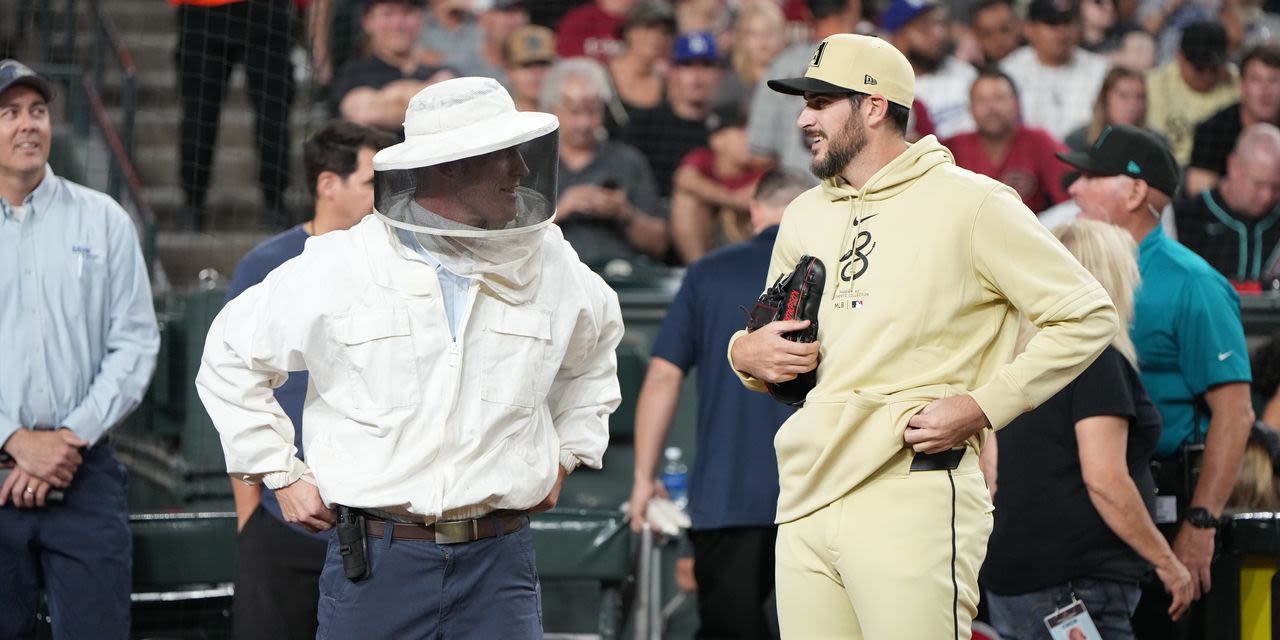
{"x":1072,"y":622}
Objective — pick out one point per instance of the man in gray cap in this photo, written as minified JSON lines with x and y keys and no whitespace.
{"x":79,"y":338}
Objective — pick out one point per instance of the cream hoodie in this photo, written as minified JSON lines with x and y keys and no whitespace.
{"x":928,"y":267}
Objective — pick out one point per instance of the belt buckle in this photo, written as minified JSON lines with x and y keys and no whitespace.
{"x":456,"y":531}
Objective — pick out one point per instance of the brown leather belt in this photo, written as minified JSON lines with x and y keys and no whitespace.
{"x":449,"y":532}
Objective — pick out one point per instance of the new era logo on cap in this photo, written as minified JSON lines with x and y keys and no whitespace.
{"x":1133,"y":168}
{"x":869,"y":80}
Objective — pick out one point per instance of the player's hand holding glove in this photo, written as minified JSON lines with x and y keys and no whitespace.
{"x":795,"y":296}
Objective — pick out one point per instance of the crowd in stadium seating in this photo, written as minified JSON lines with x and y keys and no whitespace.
{"x":667,"y":127}
{"x":1003,"y":83}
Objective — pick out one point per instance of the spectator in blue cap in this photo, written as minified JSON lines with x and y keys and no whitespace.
{"x":919,"y":29}
{"x":678,"y":125}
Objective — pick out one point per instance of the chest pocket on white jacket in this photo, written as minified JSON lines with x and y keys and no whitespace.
{"x":376,"y":348}
{"x":516,"y":344}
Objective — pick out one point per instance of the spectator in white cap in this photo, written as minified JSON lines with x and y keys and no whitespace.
{"x":461,"y":364}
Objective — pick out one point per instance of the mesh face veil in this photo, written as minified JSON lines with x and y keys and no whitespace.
{"x":473,"y":181}
{"x":470,"y":165}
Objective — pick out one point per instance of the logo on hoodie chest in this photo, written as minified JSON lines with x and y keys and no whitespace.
{"x":854,"y":264}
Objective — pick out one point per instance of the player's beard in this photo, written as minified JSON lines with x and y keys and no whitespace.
{"x":841,"y":149}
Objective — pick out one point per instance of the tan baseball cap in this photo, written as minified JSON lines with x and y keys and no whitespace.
{"x":531,"y":43}
{"x":850,"y":63}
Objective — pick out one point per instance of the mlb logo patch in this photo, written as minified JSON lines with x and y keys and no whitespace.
{"x":857,"y":304}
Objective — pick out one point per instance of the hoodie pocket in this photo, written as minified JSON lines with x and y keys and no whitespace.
{"x":890,"y":413}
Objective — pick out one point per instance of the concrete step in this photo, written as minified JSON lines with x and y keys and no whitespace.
{"x":231,"y":166}
{"x":158,"y":125}
{"x":160,"y":86}
{"x":185,"y":254}
{"x":132,"y":16}
{"x":151,"y":50}
{"x":229,"y":208}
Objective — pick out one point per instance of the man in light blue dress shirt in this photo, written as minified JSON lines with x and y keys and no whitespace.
{"x":79,"y":339}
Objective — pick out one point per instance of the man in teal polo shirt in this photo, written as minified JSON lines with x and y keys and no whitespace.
{"x":1191,"y":351}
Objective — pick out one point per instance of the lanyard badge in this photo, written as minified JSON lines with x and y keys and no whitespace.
{"x":1072,"y":622}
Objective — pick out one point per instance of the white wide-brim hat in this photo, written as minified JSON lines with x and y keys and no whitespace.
{"x":461,"y":118}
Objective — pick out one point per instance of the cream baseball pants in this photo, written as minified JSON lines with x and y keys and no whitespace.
{"x":897,"y":558}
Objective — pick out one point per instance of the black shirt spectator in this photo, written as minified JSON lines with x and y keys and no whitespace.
{"x":1047,"y":531}
{"x":375,"y":73}
{"x":666,"y":133}
{"x":1259,"y":103}
{"x":664,"y":138}
{"x":375,"y":89}
{"x":1214,"y":139}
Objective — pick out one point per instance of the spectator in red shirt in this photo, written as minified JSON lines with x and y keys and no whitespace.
{"x":714,"y":183}
{"x":592,"y":29}
{"x":1002,"y":148}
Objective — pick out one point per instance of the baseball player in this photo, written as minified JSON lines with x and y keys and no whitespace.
{"x":883,"y":513}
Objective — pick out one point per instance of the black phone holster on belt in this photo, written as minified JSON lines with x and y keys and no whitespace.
{"x":353,"y":543}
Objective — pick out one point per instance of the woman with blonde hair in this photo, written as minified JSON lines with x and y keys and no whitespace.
{"x":759,"y":33}
{"x":1121,"y":100}
{"x":1257,"y":486}
{"x":1072,"y":516}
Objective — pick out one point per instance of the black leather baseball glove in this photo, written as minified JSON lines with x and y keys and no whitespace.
{"x":795,"y":296}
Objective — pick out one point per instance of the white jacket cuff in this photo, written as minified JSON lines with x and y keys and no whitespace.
{"x":281,"y":479}
{"x":569,"y":461}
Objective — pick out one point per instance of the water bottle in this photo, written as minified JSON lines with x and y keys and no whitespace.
{"x":675,"y":477}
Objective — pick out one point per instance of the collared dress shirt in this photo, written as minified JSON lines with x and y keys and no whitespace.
{"x":78,"y":327}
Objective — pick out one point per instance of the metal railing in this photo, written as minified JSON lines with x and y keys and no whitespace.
{"x":106,"y":52}
{"x":106,"y":37}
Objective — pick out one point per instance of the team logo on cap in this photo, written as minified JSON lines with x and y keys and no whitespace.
{"x":817,"y":55}
{"x":868,"y":80}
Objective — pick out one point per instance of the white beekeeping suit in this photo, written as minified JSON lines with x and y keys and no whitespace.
{"x":459,"y":351}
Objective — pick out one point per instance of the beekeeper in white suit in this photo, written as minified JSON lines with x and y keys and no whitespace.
{"x":462,"y":364}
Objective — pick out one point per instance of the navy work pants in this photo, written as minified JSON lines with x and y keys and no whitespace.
{"x":78,"y":551}
{"x":419,"y":590}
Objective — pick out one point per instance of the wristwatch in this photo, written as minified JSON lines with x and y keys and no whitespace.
{"x":1200,"y":518}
